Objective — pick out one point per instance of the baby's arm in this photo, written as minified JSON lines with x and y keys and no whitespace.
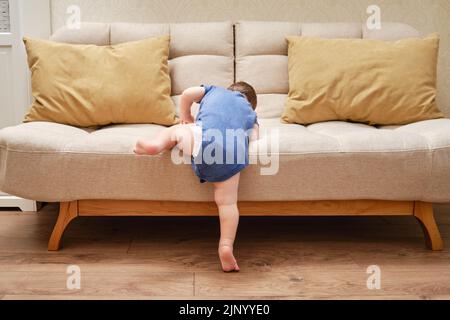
{"x":255,"y":133}
{"x":189,"y":96}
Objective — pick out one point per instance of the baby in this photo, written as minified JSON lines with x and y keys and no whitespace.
{"x":224,"y":114}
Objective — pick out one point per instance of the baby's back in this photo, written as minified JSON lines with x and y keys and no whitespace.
{"x":223,"y":109}
{"x":225,"y":117}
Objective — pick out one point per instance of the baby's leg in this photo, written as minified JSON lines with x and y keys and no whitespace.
{"x":167,"y":139}
{"x":226,"y":195}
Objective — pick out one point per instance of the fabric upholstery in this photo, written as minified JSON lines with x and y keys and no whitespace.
{"x":332,"y":30}
{"x":324,"y":161}
{"x":125,"y":32}
{"x":200,"y":53}
{"x":263,"y":46}
{"x":367,"y":81}
{"x":88,"y":85}
{"x":391,"y":31}
{"x":89,"y":33}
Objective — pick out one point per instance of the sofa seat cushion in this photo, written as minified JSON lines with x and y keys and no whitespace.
{"x":325,"y":161}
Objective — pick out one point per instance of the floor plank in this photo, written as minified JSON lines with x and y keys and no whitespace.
{"x":129,"y":284}
{"x":320,"y":284}
{"x":280,"y":258}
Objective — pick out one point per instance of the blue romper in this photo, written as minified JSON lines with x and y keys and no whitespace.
{"x":226,"y":118}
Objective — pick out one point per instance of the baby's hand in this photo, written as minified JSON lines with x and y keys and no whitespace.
{"x":187,"y":119}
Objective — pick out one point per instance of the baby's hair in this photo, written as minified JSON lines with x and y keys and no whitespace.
{"x":247,"y":90}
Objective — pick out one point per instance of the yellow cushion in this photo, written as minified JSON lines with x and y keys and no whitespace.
{"x":88,"y":85}
{"x":368,"y":81}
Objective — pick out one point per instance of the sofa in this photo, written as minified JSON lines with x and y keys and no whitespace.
{"x":324,"y":169}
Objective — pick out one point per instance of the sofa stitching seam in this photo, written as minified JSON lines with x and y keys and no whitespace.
{"x":251,"y":154}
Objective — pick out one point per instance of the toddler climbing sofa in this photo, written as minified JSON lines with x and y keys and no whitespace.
{"x":331,"y":168}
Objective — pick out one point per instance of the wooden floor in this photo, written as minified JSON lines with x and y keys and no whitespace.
{"x":175,"y":258}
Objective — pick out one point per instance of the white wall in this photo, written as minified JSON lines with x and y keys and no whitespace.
{"x":28,"y":18}
{"x":36,"y":18}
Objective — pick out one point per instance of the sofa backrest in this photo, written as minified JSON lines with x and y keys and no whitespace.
{"x":261,"y":53}
{"x":200,"y":53}
{"x":214,"y":53}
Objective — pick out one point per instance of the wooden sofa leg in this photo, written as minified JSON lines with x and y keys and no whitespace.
{"x":423,"y":211}
{"x":67,"y":212}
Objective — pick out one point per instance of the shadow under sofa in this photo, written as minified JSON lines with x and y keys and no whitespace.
{"x":324,"y":169}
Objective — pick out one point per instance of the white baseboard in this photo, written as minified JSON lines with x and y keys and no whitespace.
{"x":23,"y":204}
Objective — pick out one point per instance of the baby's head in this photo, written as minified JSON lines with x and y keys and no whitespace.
{"x":247,"y":90}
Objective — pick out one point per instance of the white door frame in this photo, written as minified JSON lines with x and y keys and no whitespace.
{"x":27,"y":18}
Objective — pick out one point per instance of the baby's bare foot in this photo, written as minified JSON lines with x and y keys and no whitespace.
{"x":144,"y":147}
{"x":227,"y":259}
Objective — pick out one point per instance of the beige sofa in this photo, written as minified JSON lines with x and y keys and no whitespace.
{"x":333,"y":168}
